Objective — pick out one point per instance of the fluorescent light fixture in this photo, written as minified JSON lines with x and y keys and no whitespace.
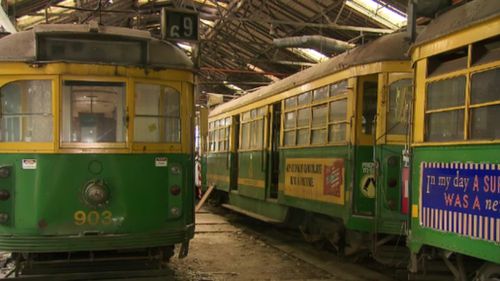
{"x":260,"y":70}
{"x":207,"y":22}
{"x":309,"y":54}
{"x":233,"y":87}
{"x":379,"y":13}
{"x":185,"y":47}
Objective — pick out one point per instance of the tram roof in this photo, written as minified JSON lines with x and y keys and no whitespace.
{"x":392,"y":47}
{"x":24,"y":46}
{"x":458,"y":18}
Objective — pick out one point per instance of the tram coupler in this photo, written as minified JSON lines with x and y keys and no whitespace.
{"x":184,"y":250}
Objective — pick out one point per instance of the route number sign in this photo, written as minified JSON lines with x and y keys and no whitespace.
{"x":179,"y":25}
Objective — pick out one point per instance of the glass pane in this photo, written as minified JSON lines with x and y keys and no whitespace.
{"x":304,"y":98}
{"x":321,"y":93}
{"x":290,"y":138}
{"x":290,"y":102}
{"x":319,"y":115}
{"x":445,"y":126}
{"x":318,"y":136}
{"x":259,"y":134}
{"x":172,"y":112}
{"x":93,"y":112}
{"x":337,"y":132}
{"x":338,"y":110}
{"x":156,"y":114}
{"x":369,"y":106}
{"x":253,"y":134}
{"x":302,"y":136}
{"x":484,"y":123}
{"x":245,"y":130}
{"x":261,"y":111}
{"x":446,"y":93}
{"x":290,"y":120}
{"x":245,"y":116}
{"x":338,"y":88}
{"x":398,"y":106}
{"x":303,"y":117}
{"x":228,"y":121}
{"x":485,"y":86}
{"x":253,"y":113}
{"x":26,"y":108}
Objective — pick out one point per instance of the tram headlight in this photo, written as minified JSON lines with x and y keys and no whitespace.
{"x":175,"y":190}
{"x":4,"y":172}
{"x":4,"y":218}
{"x":4,"y":194}
{"x":175,"y":211}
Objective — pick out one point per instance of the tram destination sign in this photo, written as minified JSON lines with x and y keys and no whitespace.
{"x":462,"y":198}
{"x":179,"y":24}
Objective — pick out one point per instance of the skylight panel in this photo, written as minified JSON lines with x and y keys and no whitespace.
{"x":378,"y":12}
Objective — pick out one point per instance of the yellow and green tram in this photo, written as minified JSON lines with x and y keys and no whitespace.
{"x":455,"y":174}
{"x":324,"y":145}
{"x":96,"y":130}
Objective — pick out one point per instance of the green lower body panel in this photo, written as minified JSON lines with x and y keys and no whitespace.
{"x":64,"y":243}
{"x":269,"y":209}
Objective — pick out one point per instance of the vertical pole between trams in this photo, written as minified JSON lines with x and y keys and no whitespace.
{"x":163,"y":24}
{"x":412,"y":20}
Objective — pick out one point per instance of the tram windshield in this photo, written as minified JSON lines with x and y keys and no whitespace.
{"x":26,"y":111}
{"x":93,"y":112}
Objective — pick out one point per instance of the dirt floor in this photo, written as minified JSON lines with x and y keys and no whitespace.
{"x":220,"y":251}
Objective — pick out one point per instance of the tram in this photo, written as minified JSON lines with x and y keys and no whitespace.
{"x":96,"y":150}
{"x":321,"y":148}
{"x":455,"y":161}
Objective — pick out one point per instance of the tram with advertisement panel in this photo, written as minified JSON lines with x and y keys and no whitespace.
{"x":322,"y":148}
{"x":455,"y":163}
{"x":96,"y":149}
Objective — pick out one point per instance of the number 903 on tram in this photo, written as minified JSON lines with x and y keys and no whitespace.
{"x":95,"y":141}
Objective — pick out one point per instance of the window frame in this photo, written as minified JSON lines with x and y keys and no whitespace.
{"x":246,"y":117}
{"x":215,"y":129}
{"x":130,"y":105}
{"x":36,"y":146}
{"x":469,"y":70}
{"x":343,"y":95}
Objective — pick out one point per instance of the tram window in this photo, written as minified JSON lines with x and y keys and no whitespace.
{"x":303,"y":116}
{"x":290,"y":102}
{"x":93,"y":112}
{"x":369,"y":106}
{"x":303,"y":136}
{"x":445,"y":126}
{"x":446,"y":93}
{"x":319,"y":113}
{"x":484,"y":89}
{"x":484,"y":86}
{"x":447,"y":62}
{"x":318,"y":136}
{"x":321,"y":93}
{"x":486,"y":51}
{"x":245,"y":133}
{"x":338,"y":110}
{"x":304,"y":98}
{"x":484,"y":123}
{"x":157,"y":115}
{"x":290,"y":120}
{"x":338,"y":88}
{"x":337,"y":132}
{"x":26,"y":111}
{"x":398,"y":106}
{"x":289,"y":139}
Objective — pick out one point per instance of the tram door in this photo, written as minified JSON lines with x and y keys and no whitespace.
{"x":364,"y":188}
{"x":233,"y":153}
{"x":274,"y":161}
